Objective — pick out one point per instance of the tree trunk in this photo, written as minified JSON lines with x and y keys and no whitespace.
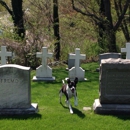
{"x":18,"y":17}
{"x":107,"y":35}
{"x":56,"y":30}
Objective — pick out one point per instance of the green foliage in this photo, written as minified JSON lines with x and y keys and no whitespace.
{"x":76,"y":31}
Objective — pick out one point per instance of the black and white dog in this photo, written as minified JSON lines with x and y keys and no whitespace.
{"x":69,"y":90}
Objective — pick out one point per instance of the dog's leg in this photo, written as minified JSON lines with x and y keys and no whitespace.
{"x":60,"y":95}
{"x":75,"y":101}
{"x":70,"y":108}
{"x":68,"y":103}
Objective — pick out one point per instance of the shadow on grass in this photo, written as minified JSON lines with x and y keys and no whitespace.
{"x":22,"y":117}
{"x":122,"y":117}
{"x":75,"y":110}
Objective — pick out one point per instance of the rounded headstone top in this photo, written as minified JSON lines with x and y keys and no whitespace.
{"x":15,"y":66}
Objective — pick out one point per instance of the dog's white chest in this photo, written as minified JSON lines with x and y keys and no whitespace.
{"x":69,"y":92}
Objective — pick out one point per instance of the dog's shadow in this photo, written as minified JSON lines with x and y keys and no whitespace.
{"x":75,"y":110}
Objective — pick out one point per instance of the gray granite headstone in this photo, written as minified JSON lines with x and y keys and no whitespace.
{"x":107,"y":56}
{"x":114,"y":89}
{"x":15,"y":90}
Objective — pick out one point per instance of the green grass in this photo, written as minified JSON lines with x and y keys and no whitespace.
{"x":53,"y":116}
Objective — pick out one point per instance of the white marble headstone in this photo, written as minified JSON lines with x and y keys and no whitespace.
{"x":77,"y":71}
{"x":44,"y":72}
{"x":127,"y":50}
{"x":4,"y":54}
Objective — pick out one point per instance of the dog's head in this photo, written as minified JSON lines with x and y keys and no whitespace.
{"x":72,"y":84}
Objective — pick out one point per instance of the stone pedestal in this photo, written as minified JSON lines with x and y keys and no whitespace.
{"x":20,"y":111}
{"x":110,"y":108}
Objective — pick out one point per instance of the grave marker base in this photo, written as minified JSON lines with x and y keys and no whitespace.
{"x":114,"y":109}
{"x":20,"y":111}
{"x":43,"y":78}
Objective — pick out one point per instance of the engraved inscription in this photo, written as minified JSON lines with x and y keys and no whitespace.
{"x":118,"y":83}
{"x":7,"y":80}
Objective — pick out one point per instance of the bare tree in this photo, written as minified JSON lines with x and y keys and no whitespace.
{"x":100,"y":13}
{"x":126,"y":20}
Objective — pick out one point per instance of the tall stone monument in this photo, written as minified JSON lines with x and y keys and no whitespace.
{"x":114,"y":88}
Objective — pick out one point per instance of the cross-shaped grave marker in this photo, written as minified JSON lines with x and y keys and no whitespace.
{"x":127,"y":50}
{"x":44,"y":55}
{"x":77,"y":71}
{"x":77,"y":56}
{"x":4,"y":54}
{"x":44,"y":72}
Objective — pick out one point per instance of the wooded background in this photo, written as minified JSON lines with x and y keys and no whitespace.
{"x":95,"y":26}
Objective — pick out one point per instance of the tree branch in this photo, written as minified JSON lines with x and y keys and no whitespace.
{"x":121,"y":17}
{"x":6,"y":7}
{"x":94,"y":17}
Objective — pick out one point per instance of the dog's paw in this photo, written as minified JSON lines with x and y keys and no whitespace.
{"x":71,"y":111}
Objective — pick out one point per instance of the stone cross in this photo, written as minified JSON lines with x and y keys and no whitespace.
{"x":4,"y":54}
{"x":77,"y":56}
{"x":44,"y":55}
{"x":127,"y":50}
{"x":77,"y":71}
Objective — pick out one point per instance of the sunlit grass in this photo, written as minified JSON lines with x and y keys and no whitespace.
{"x":53,"y":116}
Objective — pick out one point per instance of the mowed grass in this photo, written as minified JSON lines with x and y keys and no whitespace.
{"x":53,"y":116}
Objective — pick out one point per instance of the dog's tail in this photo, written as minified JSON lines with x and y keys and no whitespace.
{"x":63,"y":81}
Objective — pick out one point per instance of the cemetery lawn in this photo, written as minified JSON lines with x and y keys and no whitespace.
{"x":53,"y":116}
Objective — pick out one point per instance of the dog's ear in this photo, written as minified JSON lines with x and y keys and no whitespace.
{"x":68,"y":81}
{"x":76,"y":80}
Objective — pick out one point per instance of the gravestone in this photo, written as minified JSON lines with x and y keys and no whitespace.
{"x":77,"y":71}
{"x":127,"y":50}
{"x":114,"y":89}
{"x":107,"y":56}
{"x":71,"y":62}
{"x":4,"y":54}
{"x":15,"y":90}
{"x":44,"y":72}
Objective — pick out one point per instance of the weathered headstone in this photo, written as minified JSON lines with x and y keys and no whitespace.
{"x":77,"y":71}
{"x":15,"y":90}
{"x":4,"y":54}
{"x":114,"y":90}
{"x":127,"y":50}
{"x":44,"y":72}
{"x":107,"y":56}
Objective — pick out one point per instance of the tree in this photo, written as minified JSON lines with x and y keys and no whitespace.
{"x":100,"y":12}
{"x":56,"y":29}
{"x":17,"y":16}
{"x":126,"y":20}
